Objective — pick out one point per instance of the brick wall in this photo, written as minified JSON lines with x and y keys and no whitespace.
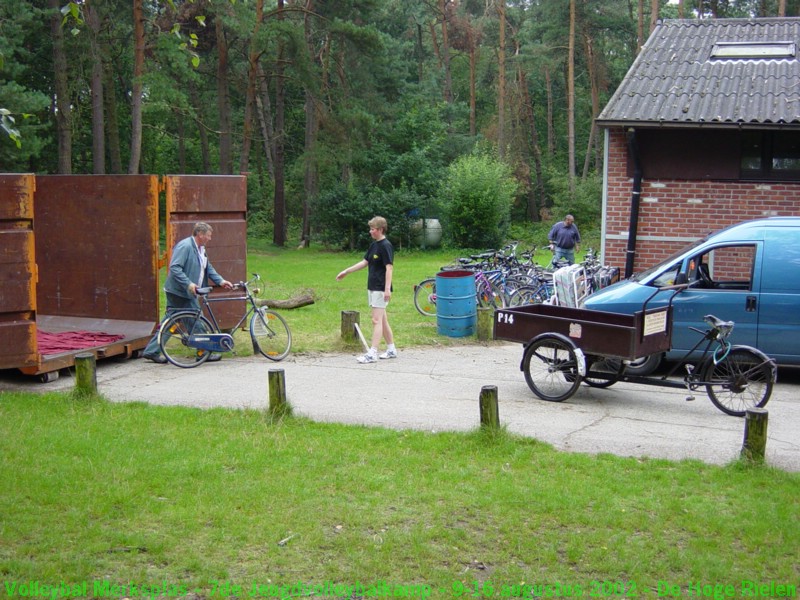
{"x":674,"y":212}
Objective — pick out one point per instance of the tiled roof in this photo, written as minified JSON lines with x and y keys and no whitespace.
{"x":675,"y":80}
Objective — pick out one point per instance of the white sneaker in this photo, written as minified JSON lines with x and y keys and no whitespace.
{"x":367,"y":358}
{"x":388,"y":354}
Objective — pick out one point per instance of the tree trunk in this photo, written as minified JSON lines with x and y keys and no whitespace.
{"x":63,"y":110}
{"x":473,"y":68}
{"x":654,"y":7}
{"x":571,"y":97}
{"x":98,"y":113}
{"x":202,"y":132}
{"x":591,"y":62}
{"x":420,"y":54}
{"x":223,"y":101}
{"x":279,"y":204}
{"x":310,"y":181}
{"x":501,"y":81}
{"x":448,"y":78}
{"x":250,"y":94}
{"x":264,"y":105}
{"x":136,"y":99}
{"x":551,"y":128}
{"x":112,"y":120}
{"x":536,"y":198}
{"x":640,"y":26}
{"x":303,"y":299}
{"x":181,"y":125}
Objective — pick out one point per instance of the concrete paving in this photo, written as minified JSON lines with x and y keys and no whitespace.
{"x":438,"y":390}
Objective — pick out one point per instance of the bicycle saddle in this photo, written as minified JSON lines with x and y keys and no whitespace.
{"x":202,"y":291}
{"x":718,"y":323}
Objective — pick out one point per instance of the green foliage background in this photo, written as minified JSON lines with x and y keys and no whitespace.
{"x":390,"y":117}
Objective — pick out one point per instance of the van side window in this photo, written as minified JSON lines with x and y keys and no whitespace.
{"x":667,"y":277}
{"x":724,"y":268}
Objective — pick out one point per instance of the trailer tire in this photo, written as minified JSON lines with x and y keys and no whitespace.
{"x":551,"y":367}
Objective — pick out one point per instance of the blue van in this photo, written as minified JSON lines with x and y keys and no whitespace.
{"x":747,"y":273}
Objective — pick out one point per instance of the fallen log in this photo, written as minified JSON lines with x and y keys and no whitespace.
{"x":303,"y":299}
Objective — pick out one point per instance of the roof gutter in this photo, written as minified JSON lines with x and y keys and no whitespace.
{"x":636,"y":194}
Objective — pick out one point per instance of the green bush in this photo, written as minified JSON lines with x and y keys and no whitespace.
{"x":585,"y":206}
{"x":476,"y":198}
{"x":341,"y":214}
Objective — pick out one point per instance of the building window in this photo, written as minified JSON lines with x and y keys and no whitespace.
{"x":770,"y":155}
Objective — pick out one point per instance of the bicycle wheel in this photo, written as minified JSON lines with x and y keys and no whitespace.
{"x":525,"y":296}
{"x":490,"y":295}
{"x":742,"y":380}
{"x":173,"y":337}
{"x":270,"y":334}
{"x":551,"y":369}
{"x":425,"y":297}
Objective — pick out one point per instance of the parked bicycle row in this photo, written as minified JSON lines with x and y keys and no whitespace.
{"x":508,"y":277}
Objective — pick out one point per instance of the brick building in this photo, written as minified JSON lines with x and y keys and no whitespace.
{"x":703,"y":132}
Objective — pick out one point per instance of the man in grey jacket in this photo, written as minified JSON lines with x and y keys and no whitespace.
{"x":189,"y":269}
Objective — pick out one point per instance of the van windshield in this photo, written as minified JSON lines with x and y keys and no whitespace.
{"x":664,"y":263}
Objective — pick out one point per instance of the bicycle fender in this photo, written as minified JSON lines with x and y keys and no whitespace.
{"x":579,"y":355}
{"x":763,"y":357}
{"x":709,"y":360}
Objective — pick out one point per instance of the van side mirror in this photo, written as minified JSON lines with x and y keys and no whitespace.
{"x":681,"y":278}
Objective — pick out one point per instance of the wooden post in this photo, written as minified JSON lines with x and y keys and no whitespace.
{"x":349,"y":318}
{"x":85,"y":373}
{"x":485,"y":323}
{"x":490,"y":413}
{"x":277,"y":392}
{"x":755,"y":434}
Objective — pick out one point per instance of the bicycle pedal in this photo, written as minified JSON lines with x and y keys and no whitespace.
{"x":689,"y":398}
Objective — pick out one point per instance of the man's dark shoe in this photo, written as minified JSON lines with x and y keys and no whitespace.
{"x":156,"y":358}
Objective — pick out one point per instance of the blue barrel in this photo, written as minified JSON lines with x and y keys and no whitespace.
{"x":456,"y":314}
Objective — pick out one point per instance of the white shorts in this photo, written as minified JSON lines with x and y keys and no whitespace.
{"x":376,"y":299}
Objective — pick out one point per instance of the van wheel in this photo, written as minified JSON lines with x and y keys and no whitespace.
{"x":643,"y":366}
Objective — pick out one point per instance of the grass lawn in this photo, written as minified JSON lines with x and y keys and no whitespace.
{"x":131,"y":500}
{"x":117,"y":494}
{"x":317,"y":327}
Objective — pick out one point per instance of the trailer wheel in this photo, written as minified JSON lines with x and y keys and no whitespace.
{"x":551,"y":368}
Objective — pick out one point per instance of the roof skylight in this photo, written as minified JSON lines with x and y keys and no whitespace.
{"x":754,"y":50}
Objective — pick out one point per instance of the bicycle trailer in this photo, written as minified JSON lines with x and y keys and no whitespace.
{"x":600,"y":333}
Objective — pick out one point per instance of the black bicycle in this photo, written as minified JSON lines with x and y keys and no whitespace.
{"x":188,"y":338}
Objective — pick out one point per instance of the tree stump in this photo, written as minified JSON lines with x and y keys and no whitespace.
{"x":349,"y":319}
{"x":85,"y":373}
{"x":754,"y":446}
{"x":490,"y":413}
{"x":485,"y":329}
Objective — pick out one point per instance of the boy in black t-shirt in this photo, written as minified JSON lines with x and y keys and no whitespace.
{"x":380,"y":260}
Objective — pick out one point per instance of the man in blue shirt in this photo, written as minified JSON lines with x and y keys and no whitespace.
{"x":565,"y":239}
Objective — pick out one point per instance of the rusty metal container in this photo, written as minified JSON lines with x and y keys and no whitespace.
{"x":80,"y":253}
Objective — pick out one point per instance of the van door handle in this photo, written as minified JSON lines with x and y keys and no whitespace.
{"x":750,"y":304}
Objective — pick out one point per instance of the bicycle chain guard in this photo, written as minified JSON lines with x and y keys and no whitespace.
{"x":212,"y":342}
